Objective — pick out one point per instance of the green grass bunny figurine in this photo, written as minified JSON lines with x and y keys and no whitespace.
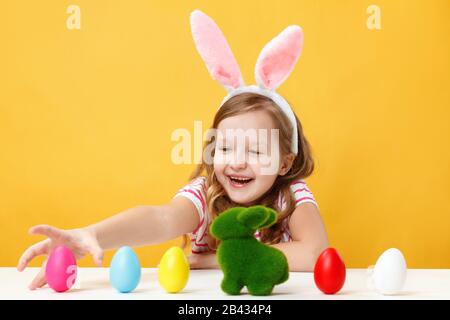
{"x":244,"y":260}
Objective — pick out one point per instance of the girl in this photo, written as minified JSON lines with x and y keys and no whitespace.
{"x":234,"y":177}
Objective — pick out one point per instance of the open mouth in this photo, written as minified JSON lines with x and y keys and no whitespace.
{"x":239,"y":182}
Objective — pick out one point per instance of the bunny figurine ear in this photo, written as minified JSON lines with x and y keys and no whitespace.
{"x":278,"y":58}
{"x":257,"y":217}
{"x":215,"y":51}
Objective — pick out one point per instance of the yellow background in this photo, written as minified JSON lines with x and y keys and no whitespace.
{"x":86,"y":115}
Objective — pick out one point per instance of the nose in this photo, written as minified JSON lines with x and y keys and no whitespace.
{"x":238,"y":161}
{"x":237,"y":166}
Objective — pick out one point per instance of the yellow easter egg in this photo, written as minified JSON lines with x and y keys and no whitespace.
{"x":173,"y":271}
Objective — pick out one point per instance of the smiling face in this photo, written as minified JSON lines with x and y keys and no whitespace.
{"x":247,"y":157}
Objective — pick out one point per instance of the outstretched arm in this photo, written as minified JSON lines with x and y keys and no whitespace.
{"x":133,"y":227}
{"x":147,"y":224}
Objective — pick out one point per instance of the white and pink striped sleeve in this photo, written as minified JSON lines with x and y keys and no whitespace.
{"x":196,"y":192}
{"x":302,"y":193}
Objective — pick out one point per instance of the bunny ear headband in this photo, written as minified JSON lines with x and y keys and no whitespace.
{"x":274,"y":64}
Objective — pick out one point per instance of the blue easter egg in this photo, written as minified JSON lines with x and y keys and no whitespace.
{"x":125,"y":270}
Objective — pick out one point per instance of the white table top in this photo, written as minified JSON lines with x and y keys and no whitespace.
{"x":93,"y":283}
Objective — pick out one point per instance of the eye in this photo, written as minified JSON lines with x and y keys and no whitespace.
{"x":224,"y":149}
{"x":255,"y":152}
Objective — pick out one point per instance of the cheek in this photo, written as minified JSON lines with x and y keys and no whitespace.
{"x":265,"y":182}
{"x":267,"y":179}
{"x":220,"y":160}
{"x":263,"y":176}
{"x":266,"y":166}
{"x":218,"y":169}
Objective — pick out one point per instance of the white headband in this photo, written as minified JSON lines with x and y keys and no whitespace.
{"x":275,"y":62}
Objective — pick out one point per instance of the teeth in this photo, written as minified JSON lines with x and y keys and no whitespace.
{"x":240,"y":179}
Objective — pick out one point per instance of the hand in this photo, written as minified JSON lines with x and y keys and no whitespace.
{"x":80,"y":241}
{"x":203,"y":261}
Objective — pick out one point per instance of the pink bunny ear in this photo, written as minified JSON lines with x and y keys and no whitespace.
{"x":278,"y":58}
{"x":215,"y":51}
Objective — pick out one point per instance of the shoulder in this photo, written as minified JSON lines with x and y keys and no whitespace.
{"x":195,"y":191}
{"x":302,"y":193}
{"x":298,"y":185}
{"x":197,"y":184}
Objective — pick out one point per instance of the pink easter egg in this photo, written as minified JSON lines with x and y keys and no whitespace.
{"x":61,"y":269}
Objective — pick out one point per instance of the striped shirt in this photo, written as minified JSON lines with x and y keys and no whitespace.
{"x":195,"y":191}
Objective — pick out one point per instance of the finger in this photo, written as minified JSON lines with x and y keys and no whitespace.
{"x":97,"y":255}
{"x":35,"y":250}
{"x":47,"y":231}
{"x":38,"y":281}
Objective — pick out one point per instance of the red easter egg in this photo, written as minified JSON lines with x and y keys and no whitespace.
{"x":329,"y":271}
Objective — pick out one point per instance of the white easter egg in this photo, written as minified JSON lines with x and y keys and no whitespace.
{"x":389,"y":273}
